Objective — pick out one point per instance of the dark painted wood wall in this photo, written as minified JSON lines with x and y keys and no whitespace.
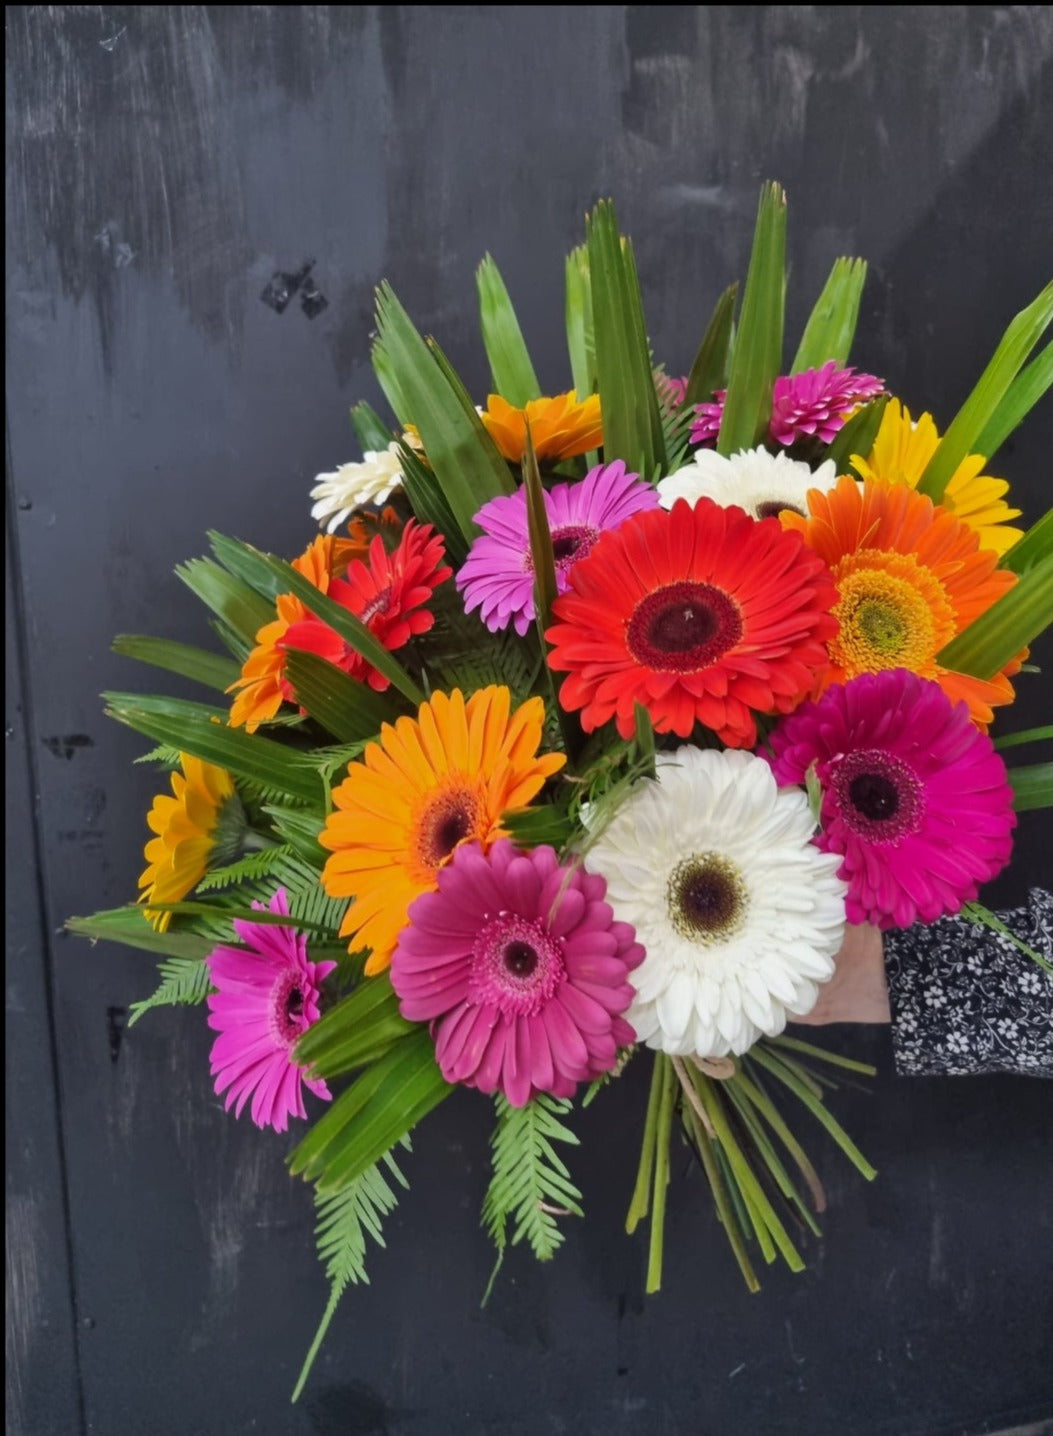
{"x":163,"y":163}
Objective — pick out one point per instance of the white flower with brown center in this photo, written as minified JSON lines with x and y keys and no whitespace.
{"x":738,"y":911}
{"x":761,"y":483}
{"x":352,"y":486}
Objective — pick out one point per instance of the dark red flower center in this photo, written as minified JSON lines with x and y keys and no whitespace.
{"x":380,"y":603}
{"x":880,"y":797}
{"x":516,"y":966}
{"x":772,"y":508}
{"x":288,"y":1001}
{"x":706,"y":897}
{"x":683,"y":627}
{"x":448,"y":819}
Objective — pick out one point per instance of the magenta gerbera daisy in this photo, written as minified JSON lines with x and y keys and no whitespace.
{"x":497,"y":577}
{"x":914,"y":796}
{"x":266,"y":998}
{"x":522,"y":970}
{"x":815,"y":402}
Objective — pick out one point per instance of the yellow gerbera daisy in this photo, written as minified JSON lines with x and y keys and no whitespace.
{"x":430,"y":784}
{"x":560,"y":427}
{"x":901,"y":454}
{"x":187,"y":827}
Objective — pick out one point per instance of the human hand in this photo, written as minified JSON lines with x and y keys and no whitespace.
{"x":858,"y":990}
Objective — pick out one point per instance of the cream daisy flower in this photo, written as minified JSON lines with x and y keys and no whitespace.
{"x":352,"y":486}
{"x":761,"y":483}
{"x":738,"y":911}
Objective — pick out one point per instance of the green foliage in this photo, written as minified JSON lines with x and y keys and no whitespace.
{"x":346,"y":707}
{"x":1017,"y":402}
{"x":1032,"y":786}
{"x":975,"y":912}
{"x":832,"y":323}
{"x":464,"y":459}
{"x":345,"y":1220}
{"x":464,"y":654}
{"x":358,"y":1030}
{"x":632,"y":424}
{"x":757,"y":356}
{"x":164,"y":754}
{"x":268,"y":862}
{"x":241,"y":610}
{"x":985,"y":409}
{"x":371,"y":431}
{"x":184,"y":983}
{"x":371,"y":1115}
{"x":581,"y":339}
{"x":1009,"y":625}
{"x":1036,"y":545}
{"x":428,"y":502}
{"x":195,"y":728}
{"x":130,"y":927}
{"x":676,"y":424}
{"x":513,"y":373}
{"x":197,"y":664}
{"x":531,"y":1185}
{"x":856,"y":438}
{"x":709,"y":372}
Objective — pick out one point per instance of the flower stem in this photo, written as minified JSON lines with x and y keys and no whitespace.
{"x":725,"y":1210}
{"x":639,"y":1205}
{"x":663,"y":1134}
{"x":784,"y":1071}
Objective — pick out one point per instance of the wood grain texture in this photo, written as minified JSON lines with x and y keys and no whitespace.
{"x":165,"y":163}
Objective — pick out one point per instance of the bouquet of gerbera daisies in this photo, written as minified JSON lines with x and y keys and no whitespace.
{"x":582,"y":732}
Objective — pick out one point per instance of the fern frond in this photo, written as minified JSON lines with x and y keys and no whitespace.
{"x":254,"y":865}
{"x":184,"y":982}
{"x":163,"y":754}
{"x":345,"y":1220}
{"x":531,"y":1184}
{"x":463,"y":653}
{"x":676,"y":423}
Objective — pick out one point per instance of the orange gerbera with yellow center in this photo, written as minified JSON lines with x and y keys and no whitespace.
{"x":430,"y":784}
{"x":910,"y":577}
{"x":901,"y":454}
{"x":262,"y":689}
{"x":188,"y":824}
{"x":560,"y":427}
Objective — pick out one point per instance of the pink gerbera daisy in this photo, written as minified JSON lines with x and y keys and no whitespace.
{"x":522,"y":970}
{"x":913,"y":796}
{"x":815,"y":402}
{"x":497,"y":577}
{"x":265,"y":999}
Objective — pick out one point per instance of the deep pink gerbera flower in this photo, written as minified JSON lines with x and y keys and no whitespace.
{"x":815,"y":402}
{"x":914,"y":796}
{"x":266,"y":998}
{"x":522,"y":971}
{"x":497,"y":577}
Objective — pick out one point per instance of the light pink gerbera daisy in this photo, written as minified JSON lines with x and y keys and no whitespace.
{"x":266,"y":999}
{"x":497,"y":577}
{"x":815,"y":402}
{"x":522,"y":970}
{"x":914,"y":796}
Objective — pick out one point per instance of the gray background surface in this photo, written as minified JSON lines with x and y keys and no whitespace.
{"x":163,"y":163}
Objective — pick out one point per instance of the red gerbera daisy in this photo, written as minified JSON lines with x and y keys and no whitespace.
{"x":701,"y":615}
{"x":386,"y":593}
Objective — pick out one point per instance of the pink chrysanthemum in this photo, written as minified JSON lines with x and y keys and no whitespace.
{"x":522,"y":970}
{"x":914,"y":797}
{"x":818,"y":401}
{"x":266,"y":998}
{"x":497,"y":577}
{"x":815,"y":402}
{"x":706,"y":426}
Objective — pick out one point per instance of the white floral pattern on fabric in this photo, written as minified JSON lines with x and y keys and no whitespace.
{"x":352,"y":486}
{"x":966,"y":1000}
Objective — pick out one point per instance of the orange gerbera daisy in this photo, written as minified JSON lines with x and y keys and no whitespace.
{"x":429,"y":785}
{"x":201,"y":814}
{"x":701,"y":614}
{"x":262,"y":688}
{"x":560,"y":427}
{"x":362,"y":530}
{"x":901,"y":453}
{"x":910,"y":576}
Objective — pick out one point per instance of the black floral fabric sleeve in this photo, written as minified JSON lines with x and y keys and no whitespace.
{"x":966,"y":1000}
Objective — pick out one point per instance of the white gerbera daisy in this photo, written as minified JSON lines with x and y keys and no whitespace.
{"x":739,"y":912}
{"x":354,"y":485}
{"x":761,"y":483}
